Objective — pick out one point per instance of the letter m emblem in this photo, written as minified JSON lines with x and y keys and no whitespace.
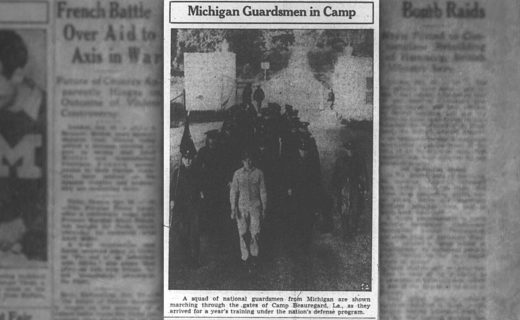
{"x":22,"y":157}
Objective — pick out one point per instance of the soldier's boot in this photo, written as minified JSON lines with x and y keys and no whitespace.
{"x":245,"y":265}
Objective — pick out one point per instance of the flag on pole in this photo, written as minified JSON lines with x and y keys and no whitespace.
{"x":187,"y":146}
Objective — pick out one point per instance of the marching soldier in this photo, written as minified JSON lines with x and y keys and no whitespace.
{"x":185,"y":200}
{"x":288,"y":112}
{"x":267,"y":160}
{"x":248,"y":198}
{"x":212,"y":165}
{"x":269,"y":126}
{"x":303,"y":191}
{"x":350,"y":182}
{"x":303,"y":129}
{"x":331,"y":98}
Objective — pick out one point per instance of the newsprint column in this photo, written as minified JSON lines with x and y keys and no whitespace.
{"x":271,"y":134}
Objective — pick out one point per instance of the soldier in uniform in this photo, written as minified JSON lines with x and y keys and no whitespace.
{"x":269,"y":126}
{"x":287,"y":114}
{"x":248,"y":198}
{"x":350,"y":182}
{"x":303,"y":191}
{"x":303,"y":129}
{"x":212,"y":166}
{"x":185,"y":202}
{"x":267,"y":160}
{"x":331,"y":98}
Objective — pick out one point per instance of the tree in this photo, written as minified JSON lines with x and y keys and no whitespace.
{"x":330,"y":44}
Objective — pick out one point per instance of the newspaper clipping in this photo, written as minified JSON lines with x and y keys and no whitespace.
{"x":271,"y":162}
{"x":80,"y":139}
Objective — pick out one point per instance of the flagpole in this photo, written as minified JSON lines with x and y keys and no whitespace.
{"x":179,"y":169}
{"x":180,"y":158}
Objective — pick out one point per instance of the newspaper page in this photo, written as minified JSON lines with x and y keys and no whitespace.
{"x":80,"y":161}
{"x":80,"y":141}
{"x":271,"y":159}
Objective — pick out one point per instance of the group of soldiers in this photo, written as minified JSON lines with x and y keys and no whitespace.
{"x":261,"y":167}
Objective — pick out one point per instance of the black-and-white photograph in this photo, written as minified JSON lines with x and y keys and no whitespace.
{"x":271,"y":159}
{"x":23,"y":189}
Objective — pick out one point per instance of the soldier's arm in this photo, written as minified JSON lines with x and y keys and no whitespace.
{"x":233,"y":193}
{"x":263,"y":191}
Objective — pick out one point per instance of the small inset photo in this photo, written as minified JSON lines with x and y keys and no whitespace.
{"x":23,"y":146}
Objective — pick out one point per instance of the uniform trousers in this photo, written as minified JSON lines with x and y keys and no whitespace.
{"x":248,"y":219}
